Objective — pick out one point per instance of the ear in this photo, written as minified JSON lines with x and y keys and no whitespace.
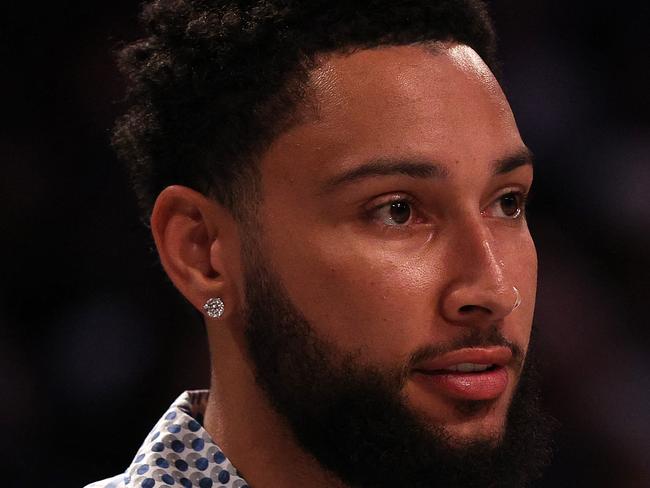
{"x":189,"y":230}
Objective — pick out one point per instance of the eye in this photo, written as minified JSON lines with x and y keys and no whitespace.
{"x":395,"y":213}
{"x":510,"y":205}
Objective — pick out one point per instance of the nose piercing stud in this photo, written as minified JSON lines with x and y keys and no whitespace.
{"x":214,"y":308}
{"x":517,"y":299}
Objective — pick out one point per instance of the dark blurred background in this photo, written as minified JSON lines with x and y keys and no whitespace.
{"x":94,"y":343}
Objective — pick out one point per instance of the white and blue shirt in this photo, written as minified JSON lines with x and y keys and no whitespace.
{"x":179,"y":452}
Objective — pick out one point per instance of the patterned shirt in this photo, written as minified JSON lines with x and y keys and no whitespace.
{"x":179,"y":452}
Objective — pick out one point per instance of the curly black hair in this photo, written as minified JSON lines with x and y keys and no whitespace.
{"x":215,"y":81}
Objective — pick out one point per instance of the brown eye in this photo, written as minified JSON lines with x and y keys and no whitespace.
{"x":400,"y":212}
{"x":510,"y":205}
{"x":395,"y":213}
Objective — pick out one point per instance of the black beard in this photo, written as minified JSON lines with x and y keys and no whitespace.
{"x":352,"y":417}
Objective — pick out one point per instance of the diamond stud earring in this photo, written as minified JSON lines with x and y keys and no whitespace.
{"x":214,"y":308}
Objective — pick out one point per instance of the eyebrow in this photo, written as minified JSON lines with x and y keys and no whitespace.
{"x":419,"y":168}
{"x":387,"y":167}
{"x":513,"y":161}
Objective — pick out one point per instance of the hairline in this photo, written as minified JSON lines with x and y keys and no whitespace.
{"x":302,"y":111}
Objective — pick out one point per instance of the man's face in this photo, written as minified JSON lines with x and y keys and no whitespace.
{"x":390,"y":228}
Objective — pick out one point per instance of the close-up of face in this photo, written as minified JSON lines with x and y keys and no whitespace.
{"x":392,"y":255}
{"x":326,"y":244}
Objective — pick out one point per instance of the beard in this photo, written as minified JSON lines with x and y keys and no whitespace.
{"x":352,"y":417}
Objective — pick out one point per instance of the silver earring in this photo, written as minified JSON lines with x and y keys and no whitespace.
{"x":517,"y":299}
{"x":214,"y":308}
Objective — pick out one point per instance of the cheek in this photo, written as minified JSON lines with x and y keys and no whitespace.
{"x":361,"y":296}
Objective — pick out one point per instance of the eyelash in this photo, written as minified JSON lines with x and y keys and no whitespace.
{"x":522,"y":202}
{"x":522,"y":199}
{"x":372,"y":214}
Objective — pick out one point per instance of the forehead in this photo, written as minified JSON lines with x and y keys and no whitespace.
{"x":381,"y":82}
{"x":414,"y":101}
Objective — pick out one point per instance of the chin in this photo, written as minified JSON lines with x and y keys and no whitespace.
{"x":465,"y":422}
{"x":483,"y":425}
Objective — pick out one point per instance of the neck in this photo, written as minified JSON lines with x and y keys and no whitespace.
{"x":255,"y":438}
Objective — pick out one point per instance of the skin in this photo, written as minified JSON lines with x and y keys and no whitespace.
{"x":380,"y":290}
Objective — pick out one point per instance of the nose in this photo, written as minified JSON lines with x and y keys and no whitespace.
{"x":479,"y":293}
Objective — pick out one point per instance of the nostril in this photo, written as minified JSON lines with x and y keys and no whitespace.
{"x":465,"y":309}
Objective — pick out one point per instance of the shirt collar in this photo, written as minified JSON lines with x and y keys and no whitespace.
{"x":179,"y":451}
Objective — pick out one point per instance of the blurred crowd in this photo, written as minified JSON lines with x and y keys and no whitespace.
{"x":90,"y":329}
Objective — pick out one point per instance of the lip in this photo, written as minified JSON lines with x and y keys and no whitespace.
{"x":499,"y":356}
{"x":485,"y":385}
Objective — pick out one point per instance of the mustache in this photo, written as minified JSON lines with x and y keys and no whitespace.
{"x":490,"y":337}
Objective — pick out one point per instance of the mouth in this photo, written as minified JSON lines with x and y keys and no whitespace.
{"x":466,"y":374}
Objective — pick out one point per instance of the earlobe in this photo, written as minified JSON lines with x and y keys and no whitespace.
{"x":185,"y":226}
